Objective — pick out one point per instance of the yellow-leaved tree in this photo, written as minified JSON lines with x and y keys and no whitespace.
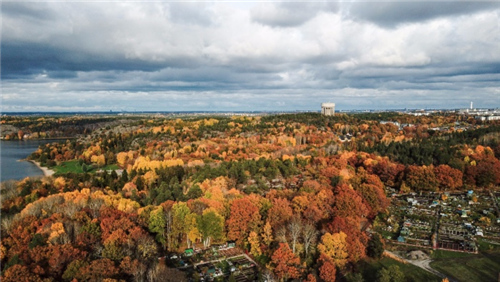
{"x":267,"y":234}
{"x":193,"y":233}
{"x":253,"y":239}
{"x":100,"y":160}
{"x":334,"y":247}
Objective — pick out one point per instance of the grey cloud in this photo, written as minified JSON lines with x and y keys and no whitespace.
{"x":38,"y":12}
{"x":20,"y":59}
{"x":289,"y":14}
{"x":164,"y":56}
{"x":392,"y":13}
{"x":190,"y":13}
{"x":89,"y":40}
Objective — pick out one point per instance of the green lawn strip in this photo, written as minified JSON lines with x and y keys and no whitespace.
{"x":440,"y":254}
{"x":75,"y":167}
{"x":485,"y":246}
{"x":369,"y":269}
{"x":481,"y":267}
{"x":69,"y":166}
{"x":111,"y":167}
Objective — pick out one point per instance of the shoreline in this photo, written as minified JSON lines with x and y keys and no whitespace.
{"x":46,"y":171}
{"x":39,"y":139}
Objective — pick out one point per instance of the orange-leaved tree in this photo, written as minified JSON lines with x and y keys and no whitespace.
{"x":327,"y":270}
{"x":244,"y":217}
{"x":286,"y":263}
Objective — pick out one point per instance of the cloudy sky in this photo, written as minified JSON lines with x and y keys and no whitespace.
{"x":246,"y":56}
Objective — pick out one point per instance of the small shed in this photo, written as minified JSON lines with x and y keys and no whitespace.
{"x":211,"y":270}
{"x":189,"y":252}
{"x":405,"y":231}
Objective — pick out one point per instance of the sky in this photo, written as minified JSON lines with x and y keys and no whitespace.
{"x":248,"y":55}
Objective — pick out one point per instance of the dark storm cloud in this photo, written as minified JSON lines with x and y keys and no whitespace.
{"x":20,"y":59}
{"x":392,"y":13}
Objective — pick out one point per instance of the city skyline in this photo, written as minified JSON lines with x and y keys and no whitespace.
{"x":248,"y":56}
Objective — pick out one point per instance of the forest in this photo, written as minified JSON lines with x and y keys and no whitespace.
{"x":296,"y":192}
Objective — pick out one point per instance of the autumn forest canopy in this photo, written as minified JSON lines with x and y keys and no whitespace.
{"x":295,"y":191}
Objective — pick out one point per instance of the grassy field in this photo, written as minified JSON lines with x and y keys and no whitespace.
{"x":440,"y":254}
{"x":75,"y":167}
{"x":485,"y":246}
{"x":465,"y":267}
{"x":412,"y":273}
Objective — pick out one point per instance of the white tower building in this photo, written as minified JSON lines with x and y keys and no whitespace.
{"x":328,"y":109}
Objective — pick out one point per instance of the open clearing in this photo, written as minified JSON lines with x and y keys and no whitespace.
{"x":412,"y":272}
{"x":482,"y":267}
{"x":75,"y":167}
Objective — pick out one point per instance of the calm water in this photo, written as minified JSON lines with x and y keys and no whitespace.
{"x":10,"y":154}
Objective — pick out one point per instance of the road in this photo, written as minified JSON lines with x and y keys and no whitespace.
{"x":222,"y":259}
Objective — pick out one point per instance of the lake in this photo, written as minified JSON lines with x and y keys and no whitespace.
{"x":10,"y":154}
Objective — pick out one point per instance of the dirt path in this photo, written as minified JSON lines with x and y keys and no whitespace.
{"x":424,"y":264}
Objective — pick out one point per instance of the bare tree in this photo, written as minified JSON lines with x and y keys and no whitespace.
{"x":268,"y":276}
{"x":281,"y":235}
{"x":295,"y":228}
{"x":309,"y":236}
{"x":8,"y":190}
{"x":140,"y":273}
{"x":34,"y":209}
{"x":69,"y":209}
{"x":7,"y":223}
{"x":95,"y":205}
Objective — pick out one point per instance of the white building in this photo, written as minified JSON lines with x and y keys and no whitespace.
{"x":488,"y":118}
{"x":328,"y":109}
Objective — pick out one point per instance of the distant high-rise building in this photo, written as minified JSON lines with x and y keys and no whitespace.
{"x":328,"y":109}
